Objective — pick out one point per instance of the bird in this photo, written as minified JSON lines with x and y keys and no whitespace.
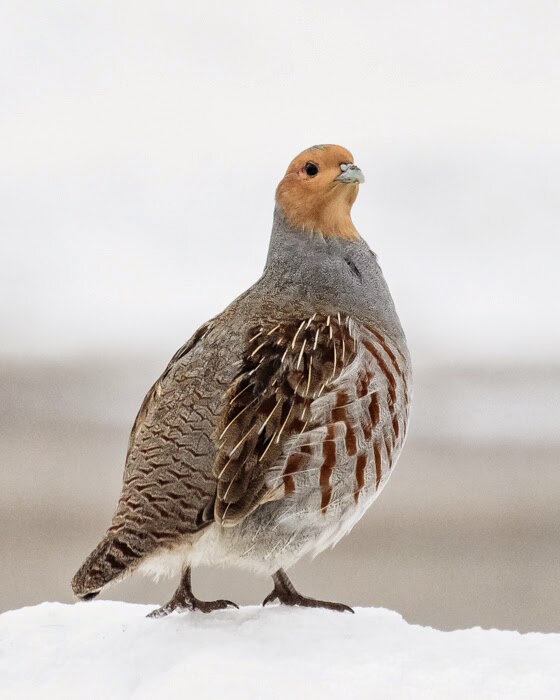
{"x":278,"y":423}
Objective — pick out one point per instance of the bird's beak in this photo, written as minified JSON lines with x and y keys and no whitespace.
{"x":350,"y":173}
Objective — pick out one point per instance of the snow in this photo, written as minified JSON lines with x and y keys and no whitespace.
{"x":109,"y":649}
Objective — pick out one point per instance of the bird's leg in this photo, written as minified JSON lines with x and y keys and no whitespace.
{"x":286,"y":594}
{"x":184,"y":599}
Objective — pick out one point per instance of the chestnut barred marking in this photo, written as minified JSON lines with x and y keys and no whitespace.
{"x":339,"y":411}
{"x":329,"y":460}
{"x":293,"y":465}
{"x":377,"y":459}
{"x":361,"y":463}
{"x":374,"y":408}
{"x":391,"y":382}
{"x":362,"y":387}
{"x":382,"y":340}
{"x":286,"y":365}
{"x":342,"y":398}
{"x":398,"y":369}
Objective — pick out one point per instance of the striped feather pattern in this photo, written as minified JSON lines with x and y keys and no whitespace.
{"x":287,"y":366}
{"x":316,"y":415}
{"x":354,"y":435}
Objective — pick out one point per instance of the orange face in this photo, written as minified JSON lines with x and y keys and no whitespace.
{"x":319,"y":189}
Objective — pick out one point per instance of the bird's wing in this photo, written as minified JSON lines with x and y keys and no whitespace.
{"x":168,"y":486}
{"x":156,"y":389}
{"x":287,"y":366}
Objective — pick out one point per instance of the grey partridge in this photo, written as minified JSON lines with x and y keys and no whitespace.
{"x":276,"y":426}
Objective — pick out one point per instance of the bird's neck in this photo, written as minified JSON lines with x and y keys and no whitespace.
{"x":308,"y":265}
{"x":308,"y":272}
{"x":294,"y":245}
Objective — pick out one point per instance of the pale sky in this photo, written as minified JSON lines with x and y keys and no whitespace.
{"x":141,"y":144}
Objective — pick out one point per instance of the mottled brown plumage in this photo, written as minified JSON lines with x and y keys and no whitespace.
{"x":287,"y":365}
{"x":278,"y":423}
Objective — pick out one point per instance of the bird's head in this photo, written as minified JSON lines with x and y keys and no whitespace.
{"x":318,"y":191}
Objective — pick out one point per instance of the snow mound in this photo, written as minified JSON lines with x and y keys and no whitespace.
{"x":107,"y":649}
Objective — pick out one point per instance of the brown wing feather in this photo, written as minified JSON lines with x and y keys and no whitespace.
{"x":286,"y":366}
{"x":155,"y":389}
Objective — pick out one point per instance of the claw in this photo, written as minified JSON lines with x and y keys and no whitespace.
{"x":205,"y":606}
{"x":270,"y":598}
{"x":303,"y":602}
{"x":163,"y":611}
{"x":286,"y":594}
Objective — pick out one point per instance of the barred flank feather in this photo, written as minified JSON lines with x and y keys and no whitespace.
{"x":287,"y":365}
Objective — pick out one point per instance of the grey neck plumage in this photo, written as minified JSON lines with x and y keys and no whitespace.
{"x":311,"y":272}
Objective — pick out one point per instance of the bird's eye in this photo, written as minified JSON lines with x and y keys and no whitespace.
{"x":311,"y":169}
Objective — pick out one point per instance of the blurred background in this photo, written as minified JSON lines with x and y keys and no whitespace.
{"x":141,"y":143}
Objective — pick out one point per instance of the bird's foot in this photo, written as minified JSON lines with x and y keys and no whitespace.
{"x":304,"y":602}
{"x":183,"y":599}
{"x":191,"y":604}
{"x":285,"y":593}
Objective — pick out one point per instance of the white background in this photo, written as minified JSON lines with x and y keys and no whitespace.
{"x":141,"y":143}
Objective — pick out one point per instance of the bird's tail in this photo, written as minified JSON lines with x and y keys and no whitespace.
{"x":109,"y":560}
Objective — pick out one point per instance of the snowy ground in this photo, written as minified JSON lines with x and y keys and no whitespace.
{"x":108,"y":649}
